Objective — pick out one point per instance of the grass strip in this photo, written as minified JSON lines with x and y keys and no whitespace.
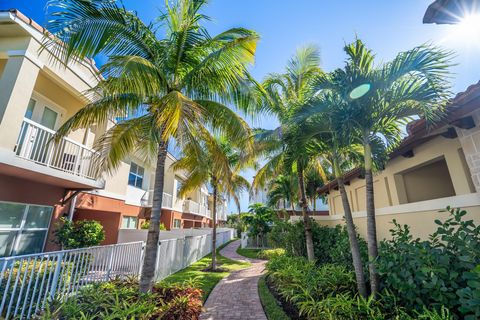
{"x":208,"y":280}
{"x":248,"y":253}
{"x":273,"y":309}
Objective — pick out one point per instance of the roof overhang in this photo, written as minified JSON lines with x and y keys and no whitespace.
{"x":450,"y":11}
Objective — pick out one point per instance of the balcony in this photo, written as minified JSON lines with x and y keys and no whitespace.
{"x":190,"y":206}
{"x":38,"y":157}
{"x":167,"y":200}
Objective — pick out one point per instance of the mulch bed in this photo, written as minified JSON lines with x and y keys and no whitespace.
{"x":287,"y":307}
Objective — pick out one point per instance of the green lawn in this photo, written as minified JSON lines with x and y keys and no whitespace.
{"x":270,"y":305}
{"x":208,"y":280}
{"x":249,"y":253}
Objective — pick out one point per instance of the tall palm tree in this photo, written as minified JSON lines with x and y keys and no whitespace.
{"x":282,"y":95}
{"x":215,"y":161}
{"x":323,"y":128}
{"x":283,"y":188}
{"x":181,"y":81}
{"x":379,"y":99}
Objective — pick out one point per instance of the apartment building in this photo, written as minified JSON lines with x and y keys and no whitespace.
{"x":42,"y":180}
{"x":431,"y":169}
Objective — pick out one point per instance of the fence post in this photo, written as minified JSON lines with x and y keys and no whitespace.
{"x":110,"y":262}
{"x":56,"y":275}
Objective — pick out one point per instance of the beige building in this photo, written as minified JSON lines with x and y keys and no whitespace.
{"x":42,"y":180}
{"x":429,"y":171}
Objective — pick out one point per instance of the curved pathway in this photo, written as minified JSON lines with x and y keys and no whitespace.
{"x":236,"y":296}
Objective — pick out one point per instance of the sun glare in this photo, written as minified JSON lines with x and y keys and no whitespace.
{"x":467,"y":31}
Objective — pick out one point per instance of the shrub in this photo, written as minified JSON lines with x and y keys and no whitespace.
{"x":268,"y":254}
{"x":79,"y":234}
{"x":297,"y":280}
{"x":331,"y":245}
{"x":441,"y":271}
{"x":121,"y":300}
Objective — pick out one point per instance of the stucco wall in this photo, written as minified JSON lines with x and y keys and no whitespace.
{"x":389,"y":184}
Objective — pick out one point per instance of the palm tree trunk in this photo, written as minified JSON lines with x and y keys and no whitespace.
{"x":352,"y":235}
{"x":314,"y":204}
{"x":151,"y":248}
{"x":214,"y":229}
{"x":306,"y":219}
{"x":371,"y":224}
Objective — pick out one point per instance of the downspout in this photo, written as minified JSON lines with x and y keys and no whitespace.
{"x":71,"y":209}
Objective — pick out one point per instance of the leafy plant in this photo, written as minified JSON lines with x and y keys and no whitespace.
{"x":269,"y":254}
{"x":79,"y":234}
{"x":331,"y":245}
{"x":120,"y":299}
{"x":440,"y":271}
{"x":258,"y":220}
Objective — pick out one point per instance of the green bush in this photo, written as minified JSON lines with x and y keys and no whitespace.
{"x":79,"y":234}
{"x":269,"y":254}
{"x":440,"y":271}
{"x":121,"y":300}
{"x":331,"y":245}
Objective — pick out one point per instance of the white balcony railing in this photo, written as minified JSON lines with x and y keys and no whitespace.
{"x":167,"y":200}
{"x":190,"y":206}
{"x":35,"y":143}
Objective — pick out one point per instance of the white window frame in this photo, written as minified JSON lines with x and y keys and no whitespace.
{"x":40,"y":103}
{"x":179,"y":224}
{"x":20,"y":230}
{"x":136,"y":174}
{"x":130,"y":219}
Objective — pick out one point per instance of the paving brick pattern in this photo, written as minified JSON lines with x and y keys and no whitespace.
{"x":236,"y":296}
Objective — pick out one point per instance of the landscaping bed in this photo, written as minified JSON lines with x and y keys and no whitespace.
{"x":120,"y":299}
{"x":434,"y":279}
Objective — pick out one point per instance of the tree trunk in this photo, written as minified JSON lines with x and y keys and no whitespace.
{"x":352,"y":236}
{"x":151,"y":248}
{"x":214,"y":229}
{"x":314,"y":204}
{"x":371,"y":224}
{"x":306,"y":219}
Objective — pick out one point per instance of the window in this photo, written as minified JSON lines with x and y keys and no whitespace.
{"x":177,"y":223}
{"x":30,"y":107}
{"x":23,"y":228}
{"x":129,"y":222}
{"x":135,"y":177}
{"x":179,"y":186}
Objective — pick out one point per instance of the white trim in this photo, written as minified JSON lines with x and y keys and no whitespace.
{"x":28,"y":55}
{"x":461,"y":201}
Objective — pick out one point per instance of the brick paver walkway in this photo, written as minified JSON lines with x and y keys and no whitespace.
{"x":236,"y":296}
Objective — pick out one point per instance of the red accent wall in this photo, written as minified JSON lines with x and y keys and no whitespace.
{"x":20,"y":190}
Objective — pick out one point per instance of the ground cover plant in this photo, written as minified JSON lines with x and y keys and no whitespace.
{"x":120,"y":299}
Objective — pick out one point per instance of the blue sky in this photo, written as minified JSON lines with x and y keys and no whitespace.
{"x":386,"y":26}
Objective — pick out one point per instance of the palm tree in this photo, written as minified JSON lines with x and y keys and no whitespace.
{"x":177,"y":83}
{"x":282,"y":95}
{"x":283,"y":188}
{"x":379,"y":100}
{"x":215,"y":161}
{"x":323,"y":128}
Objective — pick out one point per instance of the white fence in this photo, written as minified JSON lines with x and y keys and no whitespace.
{"x":28,"y":282}
{"x":257,"y":242}
{"x":176,"y":254}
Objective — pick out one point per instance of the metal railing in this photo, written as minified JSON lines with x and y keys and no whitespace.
{"x":190,"y":206}
{"x":35,"y":143}
{"x":28,"y":282}
{"x":167,"y":200}
{"x":179,"y":253}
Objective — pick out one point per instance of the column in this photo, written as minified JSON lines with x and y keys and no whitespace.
{"x":16,"y":87}
{"x":470,"y":141}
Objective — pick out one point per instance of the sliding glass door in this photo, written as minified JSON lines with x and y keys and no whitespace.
{"x":23,"y":228}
